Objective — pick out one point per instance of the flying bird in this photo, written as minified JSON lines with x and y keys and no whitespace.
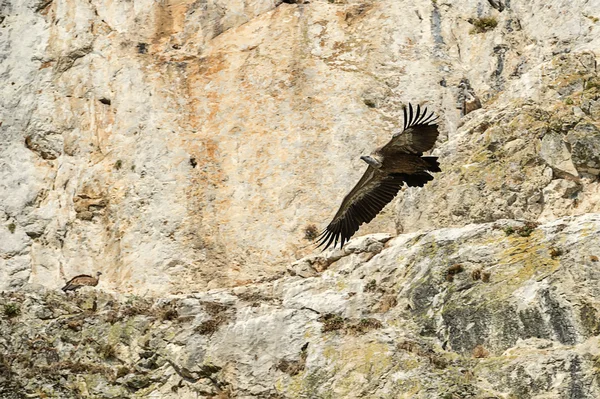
{"x":81,"y":281}
{"x":400,"y":161}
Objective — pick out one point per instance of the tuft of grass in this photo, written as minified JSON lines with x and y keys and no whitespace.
{"x":293,"y":367}
{"x":527,"y":229}
{"x":476,"y":274}
{"x":11,"y":228}
{"x":509,"y":230}
{"x":331,"y":322}
{"x":371,"y":286}
{"x":485,"y":277}
{"x":118,"y":164}
{"x":208,"y":327}
{"x":217,"y":312}
{"x":122,"y":371}
{"x":453,"y":270}
{"x":310,"y":232}
{"x":480,"y":352}
{"x":108,"y":351}
{"x":569,"y":101}
{"x":482,"y":25}
{"x":11,"y":310}
{"x":555,"y":252}
{"x":364,"y":325}
{"x":75,"y":325}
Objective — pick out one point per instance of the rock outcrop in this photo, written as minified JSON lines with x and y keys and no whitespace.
{"x":498,"y":310}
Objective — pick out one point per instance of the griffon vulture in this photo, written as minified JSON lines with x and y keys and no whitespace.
{"x":399,"y":161}
{"x":81,"y":281}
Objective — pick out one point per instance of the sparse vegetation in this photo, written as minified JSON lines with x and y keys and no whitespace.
{"x":364,"y":325}
{"x":331,"y":322}
{"x":485,"y":277}
{"x":11,"y":310}
{"x":12,"y":227}
{"x":527,"y":229}
{"x":107,"y":351}
{"x":453,"y":270}
{"x":311,"y":232}
{"x":523,"y":231}
{"x":118,"y":164}
{"x":509,"y":230}
{"x":569,"y":101}
{"x":334,"y":322}
{"x":293,"y":367}
{"x":476,"y":274}
{"x":482,"y":25}
{"x":371,"y":286}
{"x":414,"y":347}
{"x":218,"y":314}
{"x":555,"y":252}
{"x":480,"y":352}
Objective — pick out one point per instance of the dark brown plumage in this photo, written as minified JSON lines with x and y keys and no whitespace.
{"x":82,"y":280}
{"x":400,"y":161}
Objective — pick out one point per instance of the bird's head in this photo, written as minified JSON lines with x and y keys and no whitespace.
{"x":371,"y":161}
{"x":98,"y":274}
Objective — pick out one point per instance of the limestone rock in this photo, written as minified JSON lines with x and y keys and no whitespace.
{"x":555,"y":153}
{"x":498,"y":309}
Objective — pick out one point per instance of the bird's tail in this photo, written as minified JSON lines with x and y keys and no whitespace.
{"x":432,"y":164}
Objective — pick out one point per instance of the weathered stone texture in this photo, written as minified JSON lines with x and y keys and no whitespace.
{"x":497,"y":310}
{"x":188,"y":149}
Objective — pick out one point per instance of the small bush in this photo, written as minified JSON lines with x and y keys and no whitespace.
{"x":364,"y":325}
{"x":482,"y":25}
{"x":331,"y":322}
{"x":208,"y":327}
{"x":485,"y":277}
{"x":480,"y":352}
{"x":218,"y":313}
{"x":509,"y":230}
{"x":453,"y":270}
{"x":527,"y":229}
{"x":108,"y":351}
{"x":11,"y":310}
{"x":555,"y":252}
{"x":311,"y":232}
{"x":371,"y":286}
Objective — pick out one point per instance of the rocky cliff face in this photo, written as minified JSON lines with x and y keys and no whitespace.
{"x":186,"y":146}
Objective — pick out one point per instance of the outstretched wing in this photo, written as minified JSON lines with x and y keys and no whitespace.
{"x":361,"y":205}
{"x":419,"y":134}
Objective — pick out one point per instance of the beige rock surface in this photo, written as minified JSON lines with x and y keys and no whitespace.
{"x":180,"y":145}
{"x":184,"y":147}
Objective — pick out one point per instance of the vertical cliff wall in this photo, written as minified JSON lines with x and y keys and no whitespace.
{"x":179,"y":145}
